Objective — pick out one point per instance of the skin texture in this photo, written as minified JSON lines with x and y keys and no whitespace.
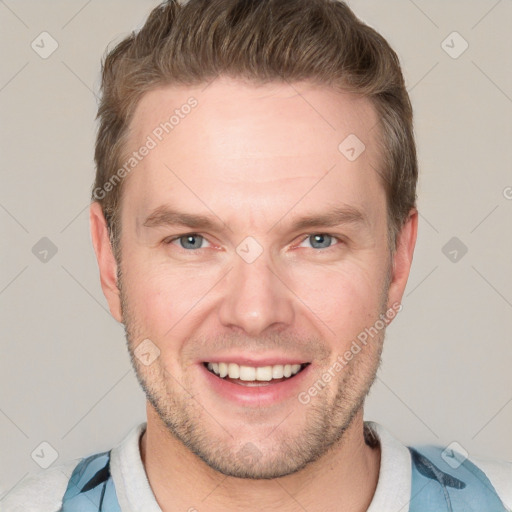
{"x":254,"y":159}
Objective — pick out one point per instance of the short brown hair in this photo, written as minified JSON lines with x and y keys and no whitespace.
{"x":319,"y":41}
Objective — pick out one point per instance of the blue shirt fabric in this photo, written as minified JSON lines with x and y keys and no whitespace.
{"x":449,"y":484}
{"x":91,"y":488}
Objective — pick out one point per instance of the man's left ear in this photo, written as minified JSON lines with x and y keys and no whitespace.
{"x":402,"y":259}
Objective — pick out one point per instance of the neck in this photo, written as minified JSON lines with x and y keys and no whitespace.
{"x":343,"y":479}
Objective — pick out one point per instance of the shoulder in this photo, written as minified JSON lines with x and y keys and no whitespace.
{"x":500,"y":474}
{"x":423,"y":477}
{"x":462,"y":481}
{"x":40,"y":492}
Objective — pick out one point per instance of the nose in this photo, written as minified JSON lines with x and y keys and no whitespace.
{"x":256,"y":298}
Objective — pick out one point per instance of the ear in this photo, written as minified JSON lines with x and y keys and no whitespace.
{"x":106,"y":261}
{"x":402,"y":259}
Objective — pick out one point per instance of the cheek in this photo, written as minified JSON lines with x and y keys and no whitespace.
{"x":344,"y":300}
{"x":162,"y":297}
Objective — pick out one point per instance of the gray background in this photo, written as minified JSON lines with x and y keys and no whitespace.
{"x":65,"y":376}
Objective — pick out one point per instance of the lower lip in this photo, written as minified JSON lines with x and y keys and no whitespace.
{"x":267,"y":394}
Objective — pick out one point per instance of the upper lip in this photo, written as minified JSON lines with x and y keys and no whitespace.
{"x":245,"y":360}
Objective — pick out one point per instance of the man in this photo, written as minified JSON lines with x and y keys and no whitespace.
{"x":254,"y":220}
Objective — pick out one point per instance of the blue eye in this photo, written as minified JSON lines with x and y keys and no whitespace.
{"x":190,"y":241}
{"x":320,"y":240}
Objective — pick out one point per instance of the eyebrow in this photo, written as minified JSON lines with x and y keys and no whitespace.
{"x":336,"y":217}
{"x":166,"y":216}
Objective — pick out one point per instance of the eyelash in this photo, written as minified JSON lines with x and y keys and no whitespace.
{"x":168,"y":241}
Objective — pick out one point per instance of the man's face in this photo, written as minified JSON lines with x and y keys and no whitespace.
{"x":253,"y":287}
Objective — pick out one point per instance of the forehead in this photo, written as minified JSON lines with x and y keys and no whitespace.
{"x":235,"y":143}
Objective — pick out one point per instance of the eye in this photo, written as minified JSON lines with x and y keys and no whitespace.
{"x":320,"y":241}
{"x":189,"y":241}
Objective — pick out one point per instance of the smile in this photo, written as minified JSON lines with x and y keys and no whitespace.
{"x":254,"y":375}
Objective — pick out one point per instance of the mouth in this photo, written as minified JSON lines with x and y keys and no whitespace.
{"x":254,"y":376}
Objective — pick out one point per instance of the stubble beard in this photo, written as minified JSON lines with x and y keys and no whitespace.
{"x":327,"y":417}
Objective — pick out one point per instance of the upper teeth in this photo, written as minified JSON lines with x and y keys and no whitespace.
{"x":249,"y":373}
